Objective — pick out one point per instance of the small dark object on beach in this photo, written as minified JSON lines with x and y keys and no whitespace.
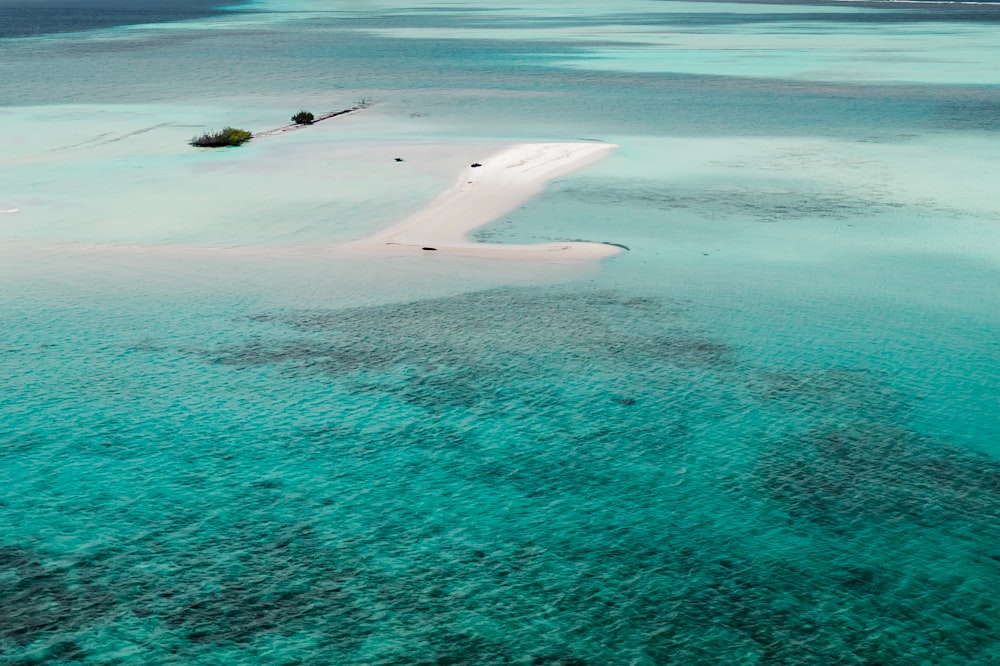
{"x":303,"y":118}
{"x":476,"y":164}
{"x":399,"y":159}
{"x":429,"y":248}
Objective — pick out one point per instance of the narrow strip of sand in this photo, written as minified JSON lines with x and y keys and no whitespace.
{"x":484,"y":193}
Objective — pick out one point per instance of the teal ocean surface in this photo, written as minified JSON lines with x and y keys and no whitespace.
{"x":767,"y":434}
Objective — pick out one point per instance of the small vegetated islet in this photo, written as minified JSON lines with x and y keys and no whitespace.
{"x":303,"y":118}
{"x":228,"y":136}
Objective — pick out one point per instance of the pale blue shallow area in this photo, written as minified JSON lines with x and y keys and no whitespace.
{"x":767,"y":434}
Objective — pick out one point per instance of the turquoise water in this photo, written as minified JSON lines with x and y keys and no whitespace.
{"x":768,"y":434}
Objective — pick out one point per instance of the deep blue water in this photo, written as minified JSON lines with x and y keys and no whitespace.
{"x":26,"y":18}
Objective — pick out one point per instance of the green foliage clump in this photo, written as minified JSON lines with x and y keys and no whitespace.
{"x":228,"y":136}
{"x":303,"y":118}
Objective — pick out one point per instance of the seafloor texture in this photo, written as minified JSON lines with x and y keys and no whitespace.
{"x":768,"y":434}
{"x":413,"y":483}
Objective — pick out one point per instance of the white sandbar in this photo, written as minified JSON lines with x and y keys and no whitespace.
{"x":485,"y":193}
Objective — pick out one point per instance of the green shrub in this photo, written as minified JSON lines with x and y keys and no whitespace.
{"x":228,"y":136}
{"x":303,"y":118}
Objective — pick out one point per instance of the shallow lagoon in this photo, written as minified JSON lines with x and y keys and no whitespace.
{"x":767,"y":434}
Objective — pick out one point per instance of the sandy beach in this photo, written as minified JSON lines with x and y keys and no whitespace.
{"x":486,"y":192}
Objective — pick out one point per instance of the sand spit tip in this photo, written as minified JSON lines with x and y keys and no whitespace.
{"x":485,"y":192}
